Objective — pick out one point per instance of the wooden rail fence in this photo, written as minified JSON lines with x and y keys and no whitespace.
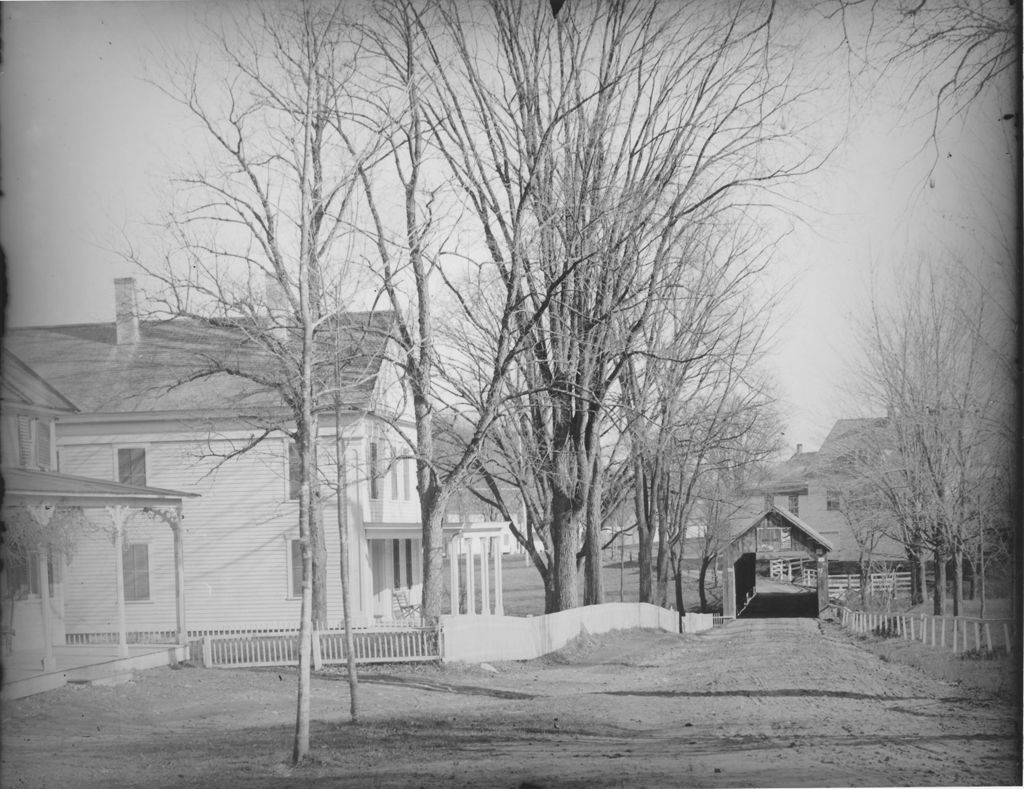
{"x":877,"y":583}
{"x":372,"y":645}
{"x":959,"y":633}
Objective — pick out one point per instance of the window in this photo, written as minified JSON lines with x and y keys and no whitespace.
{"x":408,"y":563}
{"x":406,"y":465}
{"x":294,"y":470}
{"x":42,"y":444}
{"x":773,"y":538}
{"x":136,"y":572}
{"x":131,"y":466}
{"x":394,"y":477}
{"x":295,"y":568}
{"x":396,"y":558}
{"x":794,"y":503}
{"x":832,"y":500}
{"x":374,"y":471}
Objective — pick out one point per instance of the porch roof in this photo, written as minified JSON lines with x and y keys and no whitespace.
{"x":31,"y":486}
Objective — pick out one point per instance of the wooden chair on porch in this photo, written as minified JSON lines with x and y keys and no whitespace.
{"x":402,"y":609}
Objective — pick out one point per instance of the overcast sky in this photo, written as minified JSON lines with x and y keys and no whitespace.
{"x":87,"y":144}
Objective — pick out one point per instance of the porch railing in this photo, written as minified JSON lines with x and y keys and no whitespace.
{"x":370,"y":645}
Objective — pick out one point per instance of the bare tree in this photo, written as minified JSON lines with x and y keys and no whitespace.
{"x":931,"y":359}
{"x":586,"y":149}
{"x":952,"y":52}
{"x":251,"y":244}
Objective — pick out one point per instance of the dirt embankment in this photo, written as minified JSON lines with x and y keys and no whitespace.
{"x":758,"y":703}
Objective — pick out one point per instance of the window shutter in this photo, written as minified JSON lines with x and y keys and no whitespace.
{"x":294,"y":470}
{"x":374,"y":471}
{"x":24,"y":441}
{"x":296,"y":558}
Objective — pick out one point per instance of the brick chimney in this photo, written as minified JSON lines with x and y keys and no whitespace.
{"x":127,"y":311}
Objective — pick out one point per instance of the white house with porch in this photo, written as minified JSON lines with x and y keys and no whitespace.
{"x":138,"y":420}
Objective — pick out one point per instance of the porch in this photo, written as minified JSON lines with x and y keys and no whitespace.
{"x":23,"y":674}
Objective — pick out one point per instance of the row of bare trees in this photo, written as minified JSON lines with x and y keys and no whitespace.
{"x":936,"y":473}
{"x":561,"y":218}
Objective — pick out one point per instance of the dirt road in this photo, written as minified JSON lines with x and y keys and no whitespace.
{"x":758,"y":703}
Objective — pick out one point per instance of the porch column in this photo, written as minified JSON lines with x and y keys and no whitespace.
{"x":179,"y":580}
{"x":49,"y":664}
{"x":470,"y":573}
{"x":728,"y":584}
{"x":453,"y":575}
{"x":822,"y":581}
{"x":118,"y":514}
{"x":42,"y":515}
{"x":499,"y":603}
{"x":485,"y":576}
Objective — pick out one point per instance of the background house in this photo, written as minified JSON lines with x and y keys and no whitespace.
{"x":814,"y":486}
{"x":144,"y":418}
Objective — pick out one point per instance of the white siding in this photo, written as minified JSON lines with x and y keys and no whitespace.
{"x":235,"y":538}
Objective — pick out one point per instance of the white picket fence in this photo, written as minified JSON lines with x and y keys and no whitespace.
{"x":959,"y":633}
{"x":370,"y":645}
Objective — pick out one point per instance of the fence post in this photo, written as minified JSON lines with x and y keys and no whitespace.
{"x":954,"y":635}
{"x":977,"y":636}
{"x":207,"y":652}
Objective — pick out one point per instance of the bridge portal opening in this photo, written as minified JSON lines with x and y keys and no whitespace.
{"x":776,"y":567}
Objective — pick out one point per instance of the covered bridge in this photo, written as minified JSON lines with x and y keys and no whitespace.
{"x":776,"y":540}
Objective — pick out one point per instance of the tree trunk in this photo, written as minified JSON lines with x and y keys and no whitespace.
{"x":939,"y":587}
{"x":705,"y":562}
{"x":958,"y":579}
{"x":644,"y":529}
{"x":593,"y":583}
{"x":565,"y":535}
{"x":981,"y":577}
{"x":432,"y":516}
{"x":918,"y":583}
{"x":318,"y":543}
{"x":341,"y":477}
{"x":663,"y":564}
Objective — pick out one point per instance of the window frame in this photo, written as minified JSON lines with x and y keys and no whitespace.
{"x":144,"y":449}
{"x":131,"y":594}
{"x":793,"y":503}
{"x":293,"y":551}
{"x":832,"y":500}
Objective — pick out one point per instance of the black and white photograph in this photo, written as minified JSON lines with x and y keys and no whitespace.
{"x":510,"y":393}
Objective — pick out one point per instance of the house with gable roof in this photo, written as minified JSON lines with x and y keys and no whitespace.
{"x":49,"y":518}
{"x":150,"y":411}
{"x":812,"y":485}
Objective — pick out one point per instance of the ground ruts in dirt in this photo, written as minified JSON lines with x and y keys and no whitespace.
{"x":757,"y":703}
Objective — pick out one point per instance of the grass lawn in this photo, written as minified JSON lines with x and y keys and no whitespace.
{"x":523,"y":591}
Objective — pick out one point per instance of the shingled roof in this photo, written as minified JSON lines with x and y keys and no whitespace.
{"x":183,"y":365}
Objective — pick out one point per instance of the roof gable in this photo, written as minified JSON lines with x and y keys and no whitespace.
{"x":789,"y":518}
